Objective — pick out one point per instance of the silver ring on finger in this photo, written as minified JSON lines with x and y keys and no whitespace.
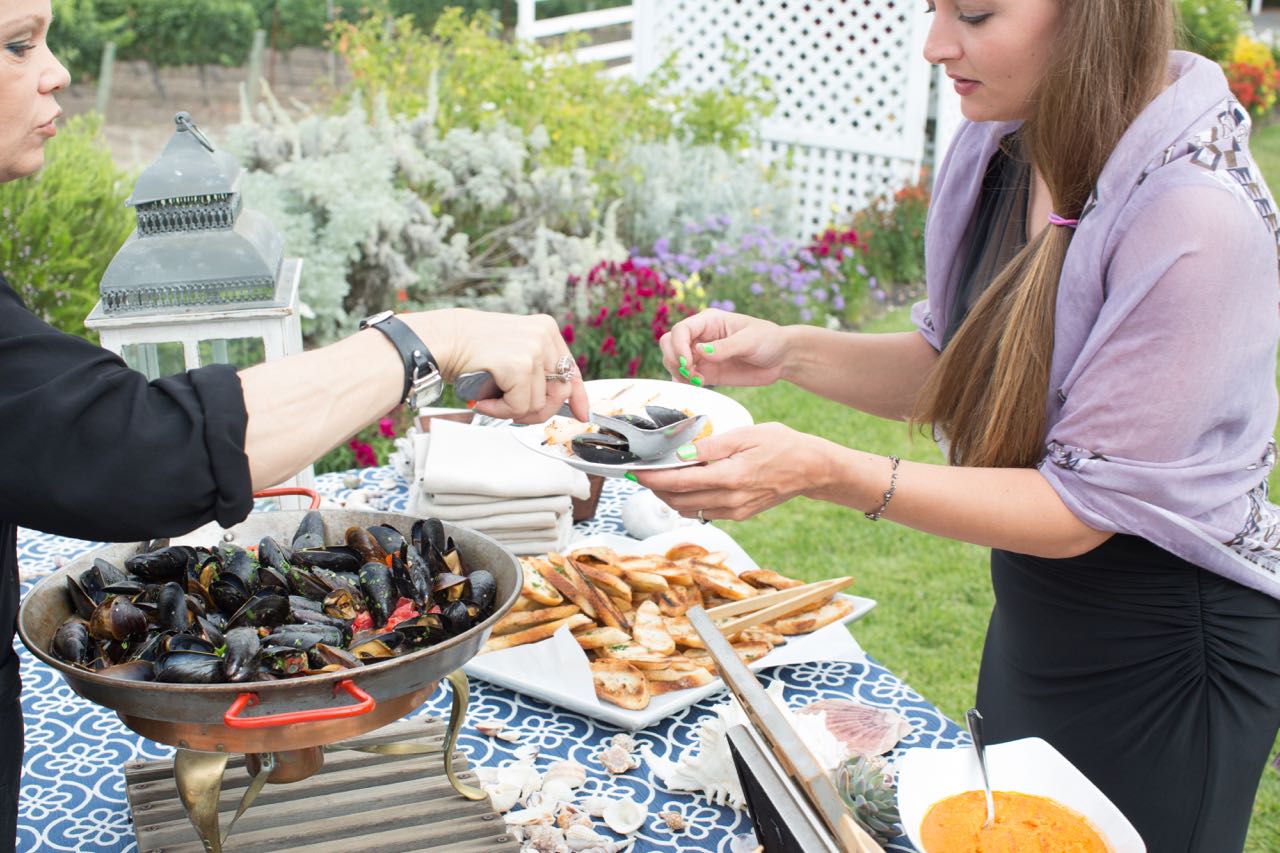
{"x":701,"y":518}
{"x":565,"y":368}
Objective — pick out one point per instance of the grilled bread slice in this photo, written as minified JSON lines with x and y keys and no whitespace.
{"x":621,"y":684}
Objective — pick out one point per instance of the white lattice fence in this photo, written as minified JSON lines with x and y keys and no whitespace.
{"x":851,"y":83}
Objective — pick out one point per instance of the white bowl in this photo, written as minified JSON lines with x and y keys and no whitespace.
{"x":1028,"y":766}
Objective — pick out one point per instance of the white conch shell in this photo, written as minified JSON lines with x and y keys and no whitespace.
{"x":625,"y":816}
{"x":570,"y":773}
{"x":525,"y":817}
{"x":503,"y":796}
{"x":595,"y":805}
{"x":545,"y":839}
{"x":554,"y":791}
{"x":582,"y":838}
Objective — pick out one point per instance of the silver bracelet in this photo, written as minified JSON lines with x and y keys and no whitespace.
{"x":888,"y":493}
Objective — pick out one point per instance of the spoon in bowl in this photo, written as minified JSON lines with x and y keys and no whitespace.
{"x":974,"y":721}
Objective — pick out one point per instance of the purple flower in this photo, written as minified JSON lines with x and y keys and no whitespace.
{"x":820,"y":295}
{"x":879,"y":294}
{"x":723,"y":304}
{"x":837,"y":302}
{"x":759,"y":267}
{"x":723,"y":222}
{"x":800,"y":300}
{"x":757,"y":288}
{"x":662,"y":247}
{"x":861,"y":269}
{"x":806,"y":315}
{"x":692,"y":228}
{"x":872,"y":283}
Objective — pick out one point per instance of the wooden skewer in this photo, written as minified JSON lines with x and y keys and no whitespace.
{"x":770,"y":606}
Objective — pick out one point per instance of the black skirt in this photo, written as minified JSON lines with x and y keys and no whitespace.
{"x":1159,"y":680}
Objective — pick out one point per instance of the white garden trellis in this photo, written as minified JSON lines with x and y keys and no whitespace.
{"x":855,"y":104}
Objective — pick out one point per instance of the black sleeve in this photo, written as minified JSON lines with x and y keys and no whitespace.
{"x":89,"y":448}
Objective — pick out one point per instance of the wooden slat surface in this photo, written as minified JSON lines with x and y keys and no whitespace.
{"x":357,"y":800}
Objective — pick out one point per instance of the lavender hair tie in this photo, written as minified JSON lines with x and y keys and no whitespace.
{"x":1055,"y":219}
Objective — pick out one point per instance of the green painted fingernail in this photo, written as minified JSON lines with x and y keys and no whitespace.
{"x":708,"y":348}
{"x":697,"y":381}
{"x":632,"y":477}
{"x":687,"y":452}
{"x":684,"y":371}
{"x":684,"y":362}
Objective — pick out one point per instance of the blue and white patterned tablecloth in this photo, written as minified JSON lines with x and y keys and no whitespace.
{"x":73,"y":786}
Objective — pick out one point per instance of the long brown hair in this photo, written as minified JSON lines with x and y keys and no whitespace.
{"x":987,"y":392}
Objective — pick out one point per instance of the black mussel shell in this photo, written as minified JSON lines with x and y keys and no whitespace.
{"x":379,"y":590}
{"x":364,"y":543}
{"x":321,"y":655}
{"x":428,"y":533}
{"x":603,"y":449}
{"x":207,"y":628}
{"x":483,"y":589}
{"x":272,"y":553}
{"x":315,"y":617}
{"x":172,"y":612}
{"x":264,"y":609}
{"x":229,"y":593}
{"x":189,"y":643}
{"x":343,"y":604}
{"x":82,"y":601}
{"x":422,"y":630}
{"x":240,"y":564}
{"x":388,"y":537}
{"x":72,"y":643}
{"x":240,"y":660}
{"x":310,"y":533}
{"x":663,"y":416}
{"x":118,"y":619}
{"x":309,"y":583}
{"x":338,"y":558}
{"x":131,"y":588}
{"x":449,"y":587}
{"x":303,"y":636}
{"x":166,"y":564}
{"x":299,"y":603}
{"x":456,"y":617}
{"x":284,"y":660}
{"x":189,"y":668}
{"x":269,"y":577}
{"x":133,"y":670}
{"x":372,"y":649}
{"x":156,"y":644}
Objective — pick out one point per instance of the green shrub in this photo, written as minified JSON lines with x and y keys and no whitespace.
{"x":1210,"y":27}
{"x":481,"y":79}
{"x":892,"y":228}
{"x":60,"y":228}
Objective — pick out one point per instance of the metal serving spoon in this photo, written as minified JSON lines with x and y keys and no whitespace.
{"x":974,"y":720}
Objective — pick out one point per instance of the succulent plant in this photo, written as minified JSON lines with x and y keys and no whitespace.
{"x":870,"y":795}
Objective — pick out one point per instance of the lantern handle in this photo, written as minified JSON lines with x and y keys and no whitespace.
{"x":184,"y":121}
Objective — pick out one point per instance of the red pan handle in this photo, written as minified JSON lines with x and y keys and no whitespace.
{"x":232,"y":718}
{"x":281,"y":491}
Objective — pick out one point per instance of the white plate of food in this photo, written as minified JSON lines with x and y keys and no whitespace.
{"x":553,"y":663}
{"x":629,"y":397}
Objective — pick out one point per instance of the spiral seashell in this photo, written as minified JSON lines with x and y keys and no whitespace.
{"x":625,"y":816}
{"x":583,"y":838}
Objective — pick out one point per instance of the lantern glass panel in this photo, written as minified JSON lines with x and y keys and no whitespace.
{"x":155,"y":360}
{"x":241,"y":352}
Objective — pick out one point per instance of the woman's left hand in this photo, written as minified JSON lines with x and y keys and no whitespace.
{"x":750,"y":470}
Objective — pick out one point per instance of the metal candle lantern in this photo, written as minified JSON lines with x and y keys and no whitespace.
{"x":201,"y":280}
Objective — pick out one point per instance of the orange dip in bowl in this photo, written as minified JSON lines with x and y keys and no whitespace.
{"x":1024,"y":824}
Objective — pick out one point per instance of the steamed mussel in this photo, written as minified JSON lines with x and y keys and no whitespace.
{"x":279,"y":609}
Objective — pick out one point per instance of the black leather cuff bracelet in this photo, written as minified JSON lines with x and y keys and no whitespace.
{"x":423,"y":383}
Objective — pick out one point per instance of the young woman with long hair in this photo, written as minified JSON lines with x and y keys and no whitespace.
{"x":1096,"y":356}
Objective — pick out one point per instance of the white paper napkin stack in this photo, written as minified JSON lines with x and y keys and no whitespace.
{"x":482,"y":478}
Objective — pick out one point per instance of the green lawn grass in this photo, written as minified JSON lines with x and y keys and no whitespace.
{"x":934,"y":594}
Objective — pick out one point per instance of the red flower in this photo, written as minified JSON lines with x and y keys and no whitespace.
{"x":366,"y":456}
{"x":609,"y":347}
{"x":387,"y":428}
{"x":633,"y":366}
{"x":567,"y":333}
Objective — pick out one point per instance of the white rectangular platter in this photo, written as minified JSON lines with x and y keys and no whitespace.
{"x":556,"y":670}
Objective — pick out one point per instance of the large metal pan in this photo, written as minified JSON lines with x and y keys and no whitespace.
{"x":293,"y":713}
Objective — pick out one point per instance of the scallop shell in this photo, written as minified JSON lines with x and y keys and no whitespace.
{"x":862,"y":730}
{"x":625,"y":816}
{"x":571,"y":773}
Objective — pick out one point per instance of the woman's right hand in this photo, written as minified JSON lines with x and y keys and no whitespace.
{"x":720,"y":348}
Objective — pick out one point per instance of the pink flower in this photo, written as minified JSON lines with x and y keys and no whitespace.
{"x":610,"y":346}
{"x":387,"y":428}
{"x":366,"y":456}
{"x":633,"y":366}
{"x":567,"y":333}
